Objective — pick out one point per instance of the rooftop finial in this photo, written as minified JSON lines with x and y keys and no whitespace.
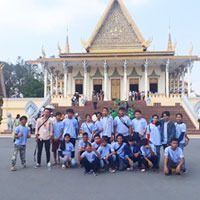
{"x":170,"y":41}
{"x":67,"y":43}
{"x":43,"y":52}
{"x":59,"y":48}
{"x":191,"y":50}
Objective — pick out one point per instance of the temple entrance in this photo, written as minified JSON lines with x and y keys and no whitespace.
{"x":134,"y":84}
{"x":115,"y":88}
{"x":97,"y":85}
{"x":79,"y":86}
{"x":153,"y":85}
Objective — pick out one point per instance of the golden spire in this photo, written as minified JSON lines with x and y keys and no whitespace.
{"x":191,"y":50}
{"x":170,"y":43}
{"x":67,"y":44}
{"x":43,"y":52}
{"x":59,"y":48}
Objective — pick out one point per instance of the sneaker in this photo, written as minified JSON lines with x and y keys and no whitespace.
{"x":23,"y":165}
{"x":37,"y":165}
{"x":185,"y":171}
{"x":112,"y":170}
{"x":141,"y":169}
{"x":12,"y":169}
{"x":95,"y":174}
{"x":48,"y":164}
{"x":129,"y":169}
{"x":63,"y":166}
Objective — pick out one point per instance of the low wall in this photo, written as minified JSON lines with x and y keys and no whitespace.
{"x":16,"y":106}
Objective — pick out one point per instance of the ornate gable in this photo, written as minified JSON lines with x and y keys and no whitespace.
{"x":116,"y":32}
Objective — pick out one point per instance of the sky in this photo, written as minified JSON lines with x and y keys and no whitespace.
{"x":27,"y":25}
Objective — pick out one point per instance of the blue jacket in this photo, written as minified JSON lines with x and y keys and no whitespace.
{"x":136,"y":149}
{"x":171,"y":131}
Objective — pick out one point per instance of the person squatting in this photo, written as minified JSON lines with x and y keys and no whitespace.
{"x":108,"y":144}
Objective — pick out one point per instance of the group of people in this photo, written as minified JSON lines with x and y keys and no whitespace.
{"x":108,"y":144}
{"x":136,"y":95}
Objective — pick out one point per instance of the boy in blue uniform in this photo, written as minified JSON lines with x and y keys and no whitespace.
{"x":153,"y":130}
{"x":97,"y":142}
{"x":107,"y":124}
{"x":88,"y":127}
{"x":66,"y":150}
{"x":106,"y":151}
{"x":57,"y":136}
{"x":122,"y":124}
{"x":149,"y":157}
{"x":98,"y":124}
{"x":120,"y":150}
{"x":174,"y":158}
{"x":71,"y":126}
{"x":83,"y":142}
{"x":139,"y":124}
{"x":90,"y":159}
{"x":22,"y":132}
{"x":133,"y":154}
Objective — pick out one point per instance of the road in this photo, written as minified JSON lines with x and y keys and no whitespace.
{"x":72,"y":184}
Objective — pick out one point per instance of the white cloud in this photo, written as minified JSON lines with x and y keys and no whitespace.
{"x":30,"y":15}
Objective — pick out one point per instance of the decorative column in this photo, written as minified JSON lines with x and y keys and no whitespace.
{"x":65,"y":66}
{"x":45,"y":78}
{"x":174,"y":82}
{"x":85,"y":66}
{"x":178,"y":82}
{"x":125,"y":79}
{"x":105,"y":66}
{"x":61,"y":83}
{"x":188,"y":77}
{"x":146,"y":78}
{"x":167,"y":78}
{"x":57,"y":73}
{"x":170,"y":83}
{"x":51,"y":79}
{"x":183,"y":81}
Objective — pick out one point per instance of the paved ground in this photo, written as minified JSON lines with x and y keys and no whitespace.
{"x":72,"y":184}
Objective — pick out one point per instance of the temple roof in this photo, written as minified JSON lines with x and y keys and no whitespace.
{"x":116,"y":32}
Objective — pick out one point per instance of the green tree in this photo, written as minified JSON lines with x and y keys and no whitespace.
{"x":23,"y":80}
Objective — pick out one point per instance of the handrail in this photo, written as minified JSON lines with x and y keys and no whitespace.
{"x":189,"y":106}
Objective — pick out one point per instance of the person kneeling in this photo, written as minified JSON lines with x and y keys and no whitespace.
{"x":106,"y":152}
{"x":66,"y":150}
{"x":173,"y":158}
{"x":90,"y":159}
{"x":133,"y":154}
{"x":149,"y":157}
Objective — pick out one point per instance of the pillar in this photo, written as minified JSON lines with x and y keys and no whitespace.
{"x":167,"y":78}
{"x":51,"y":79}
{"x":188,"y":77}
{"x":146,"y":78}
{"x":183,"y":81}
{"x":85,"y":66}
{"x":45,"y":79}
{"x":65,"y":66}
{"x":61,"y":83}
{"x":174,"y":82}
{"x":57,"y":73}
{"x":105,"y":66}
{"x":125,"y":79}
{"x":178,"y":83}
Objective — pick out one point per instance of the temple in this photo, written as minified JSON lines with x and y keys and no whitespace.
{"x":116,"y":61}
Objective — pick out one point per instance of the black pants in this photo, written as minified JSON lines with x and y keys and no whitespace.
{"x":153,"y":159}
{"x":47,"y":149}
{"x":90,"y":166}
{"x":164,"y":146}
{"x":73,"y":141}
{"x":95,"y":105}
{"x":171,"y":165}
{"x":136,"y":159}
{"x":120,"y":163}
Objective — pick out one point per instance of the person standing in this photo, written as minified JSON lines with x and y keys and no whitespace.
{"x":43,"y":135}
{"x":16,"y":123}
{"x":95,"y":100}
{"x":168,"y":129}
